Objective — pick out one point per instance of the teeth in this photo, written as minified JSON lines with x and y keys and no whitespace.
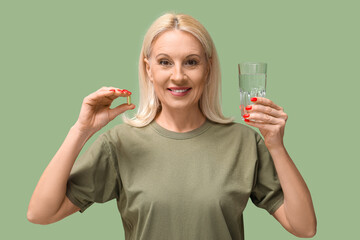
{"x":179,"y":90}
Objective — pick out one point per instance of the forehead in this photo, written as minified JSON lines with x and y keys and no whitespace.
{"x":177,"y":42}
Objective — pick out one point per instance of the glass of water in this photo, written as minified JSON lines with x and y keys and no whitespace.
{"x":252,"y":83}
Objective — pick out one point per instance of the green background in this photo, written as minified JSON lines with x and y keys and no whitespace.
{"x":54,"y":53}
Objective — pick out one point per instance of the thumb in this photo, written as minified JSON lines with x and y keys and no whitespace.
{"x":113,"y":113}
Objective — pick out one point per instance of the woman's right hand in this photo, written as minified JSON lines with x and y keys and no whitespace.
{"x":95,"y":111}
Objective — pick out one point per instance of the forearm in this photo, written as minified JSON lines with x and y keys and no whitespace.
{"x":298,"y":205}
{"x":51,"y":188}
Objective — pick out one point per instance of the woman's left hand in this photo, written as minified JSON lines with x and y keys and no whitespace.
{"x":272,"y":121}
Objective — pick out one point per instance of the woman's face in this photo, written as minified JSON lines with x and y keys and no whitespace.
{"x":178,"y":69}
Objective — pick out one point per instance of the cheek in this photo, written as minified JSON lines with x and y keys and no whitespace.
{"x":159,"y":82}
{"x":202,"y":79}
{"x":199,"y":77}
{"x":159,"y":75}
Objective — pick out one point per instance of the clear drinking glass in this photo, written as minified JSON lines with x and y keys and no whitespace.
{"x":252,"y":83}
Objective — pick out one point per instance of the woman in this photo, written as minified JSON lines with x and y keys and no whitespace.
{"x":179,"y":169}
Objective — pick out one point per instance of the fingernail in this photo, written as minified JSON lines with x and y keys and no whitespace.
{"x":254,"y":99}
{"x":240,"y":106}
{"x":119,"y":90}
{"x":248,"y":107}
{"x":113,"y":90}
{"x":246,"y":120}
{"x":246,"y":115}
{"x":133,"y":107}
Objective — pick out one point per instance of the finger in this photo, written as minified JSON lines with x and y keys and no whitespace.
{"x":106,"y":89}
{"x":266,"y":102}
{"x":265,"y":110}
{"x":114,"y":93}
{"x":117,"y":91}
{"x":257,"y":124}
{"x":124,"y":92}
{"x":113,"y":113}
{"x":264,"y":118}
{"x":106,"y":95}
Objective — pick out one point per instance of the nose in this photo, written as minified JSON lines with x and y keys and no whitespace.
{"x":178,"y":74}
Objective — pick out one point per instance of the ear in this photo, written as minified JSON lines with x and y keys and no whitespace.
{"x":148,"y":69}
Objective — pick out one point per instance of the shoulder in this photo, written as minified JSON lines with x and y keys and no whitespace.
{"x":234,"y":128}
{"x":236,"y":138}
{"x":123,"y":131}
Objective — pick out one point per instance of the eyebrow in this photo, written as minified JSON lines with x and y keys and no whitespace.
{"x":166,"y":55}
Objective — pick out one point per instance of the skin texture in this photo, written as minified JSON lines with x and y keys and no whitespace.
{"x":297,"y":213}
{"x":49,"y":204}
{"x":178,"y":60}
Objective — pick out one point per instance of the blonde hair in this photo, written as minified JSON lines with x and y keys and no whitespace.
{"x":149,"y":104}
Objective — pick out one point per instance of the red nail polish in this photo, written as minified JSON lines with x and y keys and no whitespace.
{"x":246,"y":120}
{"x":129,"y":92}
{"x":248,"y":107}
{"x":254,"y":99}
{"x":246,"y":115}
{"x":119,"y":90}
{"x":113,"y":90}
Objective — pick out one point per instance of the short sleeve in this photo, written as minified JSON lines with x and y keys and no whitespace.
{"x":94,"y":177}
{"x":267,"y":192}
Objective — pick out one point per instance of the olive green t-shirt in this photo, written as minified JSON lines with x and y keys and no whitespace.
{"x":178,"y":186}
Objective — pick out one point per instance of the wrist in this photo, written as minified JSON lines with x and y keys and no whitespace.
{"x":81,"y":131}
{"x":277,"y":147}
{"x":278,"y":151}
{"x":274,"y":145}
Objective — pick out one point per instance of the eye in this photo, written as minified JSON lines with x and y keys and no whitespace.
{"x":192,"y":62}
{"x":164,"y":62}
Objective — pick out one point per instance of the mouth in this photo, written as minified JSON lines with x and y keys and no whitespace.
{"x":179,"y":91}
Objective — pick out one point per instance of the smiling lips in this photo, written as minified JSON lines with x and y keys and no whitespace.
{"x":179,"y":91}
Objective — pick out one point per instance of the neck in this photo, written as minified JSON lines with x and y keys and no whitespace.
{"x":180,"y":120}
